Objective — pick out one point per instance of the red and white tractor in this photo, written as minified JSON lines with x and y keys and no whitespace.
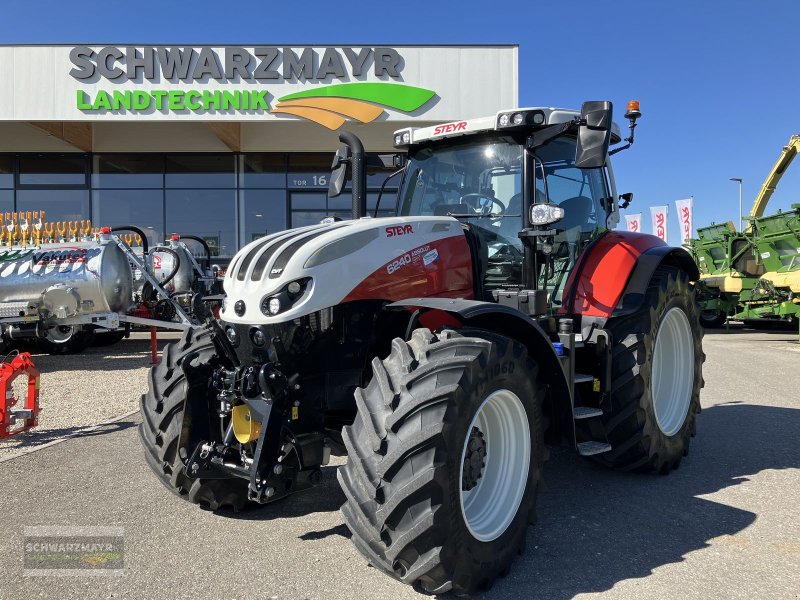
{"x":442,"y":348}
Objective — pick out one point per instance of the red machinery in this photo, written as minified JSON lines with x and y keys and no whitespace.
{"x":21,"y":364}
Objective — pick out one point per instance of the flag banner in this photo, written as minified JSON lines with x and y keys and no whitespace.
{"x":634,"y":222}
{"x":659,"y":217}
{"x":685,"y":217}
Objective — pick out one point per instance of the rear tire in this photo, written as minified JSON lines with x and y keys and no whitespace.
{"x":653,"y":415}
{"x":61,"y":339}
{"x":711,"y":319}
{"x":416,"y":503}
{"x":162,"y":420}
{"x":104,"y":337}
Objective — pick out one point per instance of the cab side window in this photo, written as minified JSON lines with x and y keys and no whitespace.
{"x":580,"y":192}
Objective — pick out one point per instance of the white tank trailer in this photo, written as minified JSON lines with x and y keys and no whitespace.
{"x":57,"y":291}
{"x":64,"y":280}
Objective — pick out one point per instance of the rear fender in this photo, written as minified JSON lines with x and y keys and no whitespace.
{"x":614,"y":271}
{"x":503,"y":320}
{"x":636,"y":288}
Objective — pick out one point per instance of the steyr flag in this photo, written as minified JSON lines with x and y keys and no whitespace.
{"x":634,"y":222}
{"x":685,"y":217}
{"x":659,"y":216}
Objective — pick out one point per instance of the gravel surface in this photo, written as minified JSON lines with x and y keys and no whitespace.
{"x":82,"y":390}
{"x":725,"y":525}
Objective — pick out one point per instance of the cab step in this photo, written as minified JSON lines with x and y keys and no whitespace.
{"x":583,"y":378}
{"x":586,"y":412}
{"x":591,"y":448}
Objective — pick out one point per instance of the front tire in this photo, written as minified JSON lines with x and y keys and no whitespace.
{"x":444,"y":460}
{"x":162,"y":420}
{"x":657,"y":364}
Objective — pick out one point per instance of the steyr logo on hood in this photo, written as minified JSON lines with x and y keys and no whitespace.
{"x":399,"y":230}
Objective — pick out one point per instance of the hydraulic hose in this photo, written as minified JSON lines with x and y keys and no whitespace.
{"x":202,"y":242}
{"x":136,"y":230}
{"x":175,"y":268}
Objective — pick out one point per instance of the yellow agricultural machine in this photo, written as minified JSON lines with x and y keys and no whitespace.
{"x":753,"y":274}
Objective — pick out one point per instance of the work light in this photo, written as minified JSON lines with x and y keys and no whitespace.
{"x":545,"y":214}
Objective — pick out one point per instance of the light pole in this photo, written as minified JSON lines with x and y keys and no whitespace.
{"x":739,"y":179}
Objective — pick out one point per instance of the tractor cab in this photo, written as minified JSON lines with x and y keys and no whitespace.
{"x":514,"y":181}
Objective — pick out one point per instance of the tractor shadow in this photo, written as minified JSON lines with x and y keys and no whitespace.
{"x":125,"y":355}
{"x":327,"y":496}
{"x":599,"y":527}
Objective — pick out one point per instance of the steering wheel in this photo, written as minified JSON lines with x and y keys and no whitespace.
{"x":483,"y":209}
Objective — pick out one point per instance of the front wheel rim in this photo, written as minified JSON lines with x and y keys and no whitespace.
{"x":673,"y":371}
{"x":491,"y":505}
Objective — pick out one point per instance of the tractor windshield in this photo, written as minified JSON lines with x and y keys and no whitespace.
{"x":479,"y":183}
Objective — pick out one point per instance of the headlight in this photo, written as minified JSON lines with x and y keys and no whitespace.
{"x":545,"y":214}
{"x":232,"y":336}
{"x":285,"y":298}
{"x":259,"y":337}
{"x":519,"y":118}
{"x":402,"y":138}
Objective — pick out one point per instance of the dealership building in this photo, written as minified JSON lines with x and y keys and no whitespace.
{"x":225,"y":142}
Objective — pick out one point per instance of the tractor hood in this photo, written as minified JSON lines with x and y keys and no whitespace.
{"x":300,"y":271}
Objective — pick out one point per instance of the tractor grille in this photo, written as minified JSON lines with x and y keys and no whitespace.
{"x":274,"y":242}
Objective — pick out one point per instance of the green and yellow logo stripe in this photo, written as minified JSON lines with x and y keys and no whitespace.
{"x":332,"y":105}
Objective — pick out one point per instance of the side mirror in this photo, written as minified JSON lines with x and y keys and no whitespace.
{"x":626,"y":198}
{"x":338,"y":172}
{"x":594,"y":134}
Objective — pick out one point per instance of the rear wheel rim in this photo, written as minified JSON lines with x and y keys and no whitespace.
{"x":672,"y":378}
{"x":490,"y":507}
{"x":60,"y":334}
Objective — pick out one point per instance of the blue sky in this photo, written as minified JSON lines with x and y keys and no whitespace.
{"x":718,"y":81}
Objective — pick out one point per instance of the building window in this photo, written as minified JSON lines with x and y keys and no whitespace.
{"x":263,"y":212}
{"x":6,"y":171}
{"x":6,"y":201}
{"x":200,"y":171}
{"x":263,"y":171}
{"x":129,"y":171}
{"x":208,"y":213}
{"x":58,"y":204}
{"x":141,"y":208}
{"x":53,"y":170}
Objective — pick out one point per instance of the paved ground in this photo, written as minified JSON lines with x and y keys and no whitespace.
{"x":725,"y":525}
{"x":79,"y":391}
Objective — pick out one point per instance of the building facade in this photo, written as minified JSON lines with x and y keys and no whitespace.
{"x":225,"y":142}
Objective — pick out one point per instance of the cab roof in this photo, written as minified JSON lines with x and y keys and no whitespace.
{"x":504,"y":120}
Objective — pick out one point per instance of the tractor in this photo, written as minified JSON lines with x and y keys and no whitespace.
{"x":441,"y":350}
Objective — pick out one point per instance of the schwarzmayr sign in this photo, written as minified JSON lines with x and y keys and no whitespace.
{"x":265,"y":63}
{"x":328,"y":105}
